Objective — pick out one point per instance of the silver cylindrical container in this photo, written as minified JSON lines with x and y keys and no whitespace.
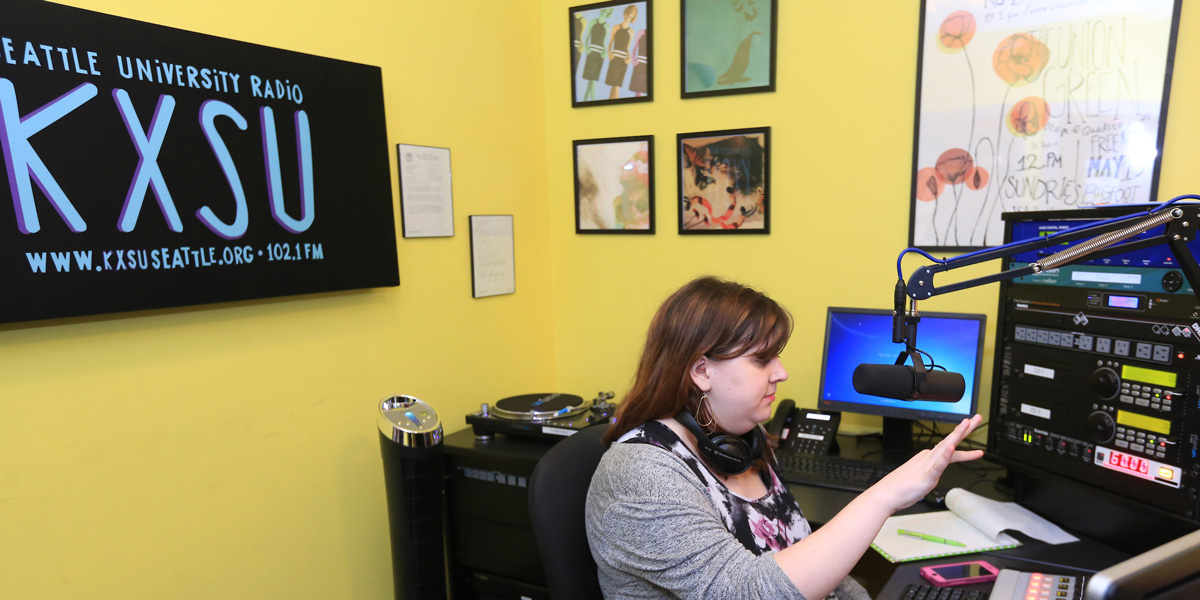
{"x":410,"y":438}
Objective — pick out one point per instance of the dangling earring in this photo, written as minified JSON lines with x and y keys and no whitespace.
{"x":701,"y":408}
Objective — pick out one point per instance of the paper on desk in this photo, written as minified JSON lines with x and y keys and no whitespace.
{"x":944,"y":523}
{"x":992,"y":517}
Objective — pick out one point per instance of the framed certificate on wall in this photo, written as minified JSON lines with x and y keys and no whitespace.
{"x":426,"y":197}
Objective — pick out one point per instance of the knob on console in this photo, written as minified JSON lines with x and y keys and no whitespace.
{"x":1101,"y":427}
{"x":1105,"y":383}
{"x":1172,"y":281}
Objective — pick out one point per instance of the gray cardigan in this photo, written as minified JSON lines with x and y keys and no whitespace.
{"x":655,"y":533}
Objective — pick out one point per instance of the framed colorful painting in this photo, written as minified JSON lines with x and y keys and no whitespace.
{"x":611,"y":58}
{"x":1036,"y":105}
{"x":728,"y":46}
{"x":724,"y":181}
{"x":614,"y":185}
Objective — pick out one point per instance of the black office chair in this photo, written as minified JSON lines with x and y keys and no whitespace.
{"x":557,"y":492}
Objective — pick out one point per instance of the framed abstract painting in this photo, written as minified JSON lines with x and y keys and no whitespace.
{"x":724,"y":181}
{"x":614,"y":185}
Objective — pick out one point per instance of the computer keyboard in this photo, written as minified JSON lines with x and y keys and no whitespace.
{"x":925,"y":591}
{"x":829,"y":471}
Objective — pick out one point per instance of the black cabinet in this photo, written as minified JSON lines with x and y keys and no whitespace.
{"x":491,"y":548}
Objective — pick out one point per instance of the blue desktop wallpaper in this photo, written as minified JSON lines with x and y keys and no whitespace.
{"x":854,"y":338}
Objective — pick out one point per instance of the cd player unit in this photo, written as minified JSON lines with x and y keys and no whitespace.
{"x":1098,"y":371}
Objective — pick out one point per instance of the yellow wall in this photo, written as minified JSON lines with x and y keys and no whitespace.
{"x":231,"y":451}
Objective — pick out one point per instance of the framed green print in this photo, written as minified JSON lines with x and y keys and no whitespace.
{"x":728,"y":46}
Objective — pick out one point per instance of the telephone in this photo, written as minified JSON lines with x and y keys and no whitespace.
{"x":803,"y":430}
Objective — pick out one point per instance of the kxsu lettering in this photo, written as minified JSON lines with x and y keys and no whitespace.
{"x":25,"y":166}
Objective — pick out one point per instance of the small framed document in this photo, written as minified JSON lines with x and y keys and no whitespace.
{"x":493,"y":270}
{"x":426,"y":200}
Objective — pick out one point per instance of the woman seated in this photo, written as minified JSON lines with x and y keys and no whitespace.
{"x":686,"y":502}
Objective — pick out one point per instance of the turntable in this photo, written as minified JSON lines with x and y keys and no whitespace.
{"x":552,"y":416}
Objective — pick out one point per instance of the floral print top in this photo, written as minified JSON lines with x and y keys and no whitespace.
{"x":770,"y":523}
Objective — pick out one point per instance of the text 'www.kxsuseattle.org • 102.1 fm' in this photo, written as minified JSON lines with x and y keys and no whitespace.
{"x":183,"y":257}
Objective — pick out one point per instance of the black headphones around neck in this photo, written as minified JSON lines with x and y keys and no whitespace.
{"x":726,"y":453}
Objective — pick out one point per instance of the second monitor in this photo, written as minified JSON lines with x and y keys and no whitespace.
{"x":855,"y":336}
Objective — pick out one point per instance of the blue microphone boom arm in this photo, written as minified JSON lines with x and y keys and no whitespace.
{"x":1108,"y":237}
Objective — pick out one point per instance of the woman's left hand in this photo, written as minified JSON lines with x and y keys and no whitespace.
{"x":909,"y":482}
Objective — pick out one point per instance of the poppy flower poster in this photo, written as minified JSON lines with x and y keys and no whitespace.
{"x":1027,"y":105}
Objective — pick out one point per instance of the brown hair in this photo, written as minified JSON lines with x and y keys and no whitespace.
{"x":708,"y":317}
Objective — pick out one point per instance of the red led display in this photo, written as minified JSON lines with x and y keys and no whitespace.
{"x":1128,"y":463}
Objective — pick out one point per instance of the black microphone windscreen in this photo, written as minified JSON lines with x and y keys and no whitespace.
{"x":901,"y":382}
{"x":887,"y":381}
{"x":941,"y":386}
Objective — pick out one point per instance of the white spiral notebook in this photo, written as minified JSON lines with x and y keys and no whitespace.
{"x":976,"y":522}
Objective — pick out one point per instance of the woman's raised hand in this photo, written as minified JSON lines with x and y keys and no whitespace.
{"x":909,"y":482}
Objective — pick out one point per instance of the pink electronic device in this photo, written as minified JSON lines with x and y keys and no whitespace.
{"x":963,"y":573}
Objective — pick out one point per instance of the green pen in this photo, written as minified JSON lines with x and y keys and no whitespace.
{"x":929,"y":538}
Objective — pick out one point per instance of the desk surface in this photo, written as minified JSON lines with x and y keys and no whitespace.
{"x":886,"y":581}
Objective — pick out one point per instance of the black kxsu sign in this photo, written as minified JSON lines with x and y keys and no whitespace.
{"x":149,"y":167}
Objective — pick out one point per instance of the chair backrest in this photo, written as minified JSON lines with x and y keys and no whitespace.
{"x":557,"y":491}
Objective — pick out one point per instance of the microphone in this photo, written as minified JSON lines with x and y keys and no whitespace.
{"x":903,"y":382}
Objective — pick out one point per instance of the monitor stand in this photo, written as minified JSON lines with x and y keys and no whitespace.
{"x":897,"y":439}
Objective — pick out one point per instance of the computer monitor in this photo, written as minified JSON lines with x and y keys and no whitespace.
{"x":855,"y":336}
{"x":1168,"y":572}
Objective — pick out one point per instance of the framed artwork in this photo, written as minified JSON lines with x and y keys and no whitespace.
{"x":724,"y":181}
{"x":493,"y":261}
{"x":728,"y":46}
{"x":1044,"y":106}
{"x":614,"y":185}
{"x":426,"y":198}
{"x":611,"y":58}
